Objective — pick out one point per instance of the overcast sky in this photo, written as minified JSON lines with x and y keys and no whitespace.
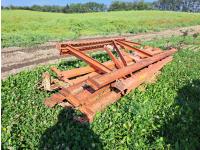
{"x":53,"y":2}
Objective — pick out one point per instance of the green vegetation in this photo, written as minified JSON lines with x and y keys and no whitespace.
{"x":166,"y":115}
{"x":25,"y":28}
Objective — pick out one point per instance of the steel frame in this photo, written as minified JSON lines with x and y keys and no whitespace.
{"x":92,"y":88}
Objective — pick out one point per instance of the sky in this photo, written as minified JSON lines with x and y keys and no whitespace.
{"x":53,"y":2}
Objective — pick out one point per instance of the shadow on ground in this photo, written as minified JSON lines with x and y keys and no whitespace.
{"x":69,"y":134}
{"x":183,"y":130}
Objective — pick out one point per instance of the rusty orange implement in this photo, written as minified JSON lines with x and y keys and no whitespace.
{"x":94,"y":87}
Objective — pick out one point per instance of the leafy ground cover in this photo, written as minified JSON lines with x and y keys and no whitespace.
{"x":24,"y":28}
{"x":166,"y":115}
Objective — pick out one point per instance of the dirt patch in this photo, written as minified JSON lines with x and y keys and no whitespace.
{"x":151,"y":80}
{"x":15,"y":59}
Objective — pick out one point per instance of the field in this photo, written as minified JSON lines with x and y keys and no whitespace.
{"x":164,"y":115}
{"x":25,"y":28}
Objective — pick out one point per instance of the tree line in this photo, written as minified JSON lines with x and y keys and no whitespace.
{"x":135,"y":5}
{"x":87,"y":7}
{"x":178,"y":5}
{"x":174,"y":5}
{"x":71,"y":8}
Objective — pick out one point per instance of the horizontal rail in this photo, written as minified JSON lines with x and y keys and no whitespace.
{"x":65,"y":50}
{"x":91,"y":42}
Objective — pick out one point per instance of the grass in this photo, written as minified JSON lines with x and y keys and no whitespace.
{"x":165,"y":116}
{"x":25,"y":28}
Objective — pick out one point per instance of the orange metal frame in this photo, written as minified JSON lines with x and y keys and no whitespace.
{"x":98,"y":85}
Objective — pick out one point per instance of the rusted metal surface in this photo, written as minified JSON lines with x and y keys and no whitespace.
{"x":119,"y":53}
{"x":84,"y":46}
{"x":142,"y":52}
{"x":93,"y":63}
{"x":97,"y":83}
{"x":140,"y":77}
{"x":92,"y":88}
{"x":114,"y":59}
